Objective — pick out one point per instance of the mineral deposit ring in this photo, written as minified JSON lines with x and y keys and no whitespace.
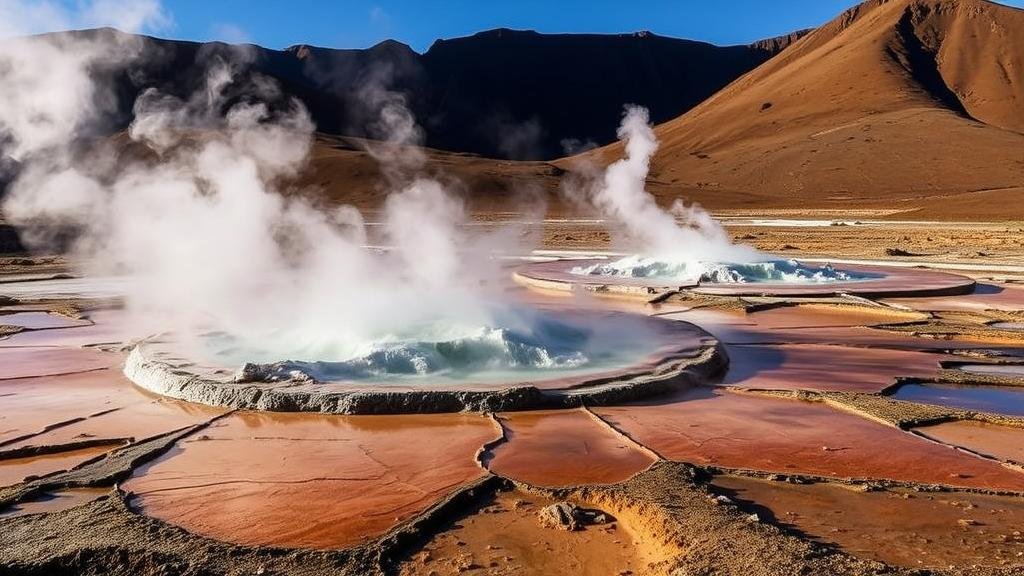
{"x":680,"y":355}
{"x":873,"y":282}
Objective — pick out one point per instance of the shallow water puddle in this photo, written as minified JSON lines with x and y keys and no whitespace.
{"x":822,"y":367}
{"x":310,"y":480}
{"x":806,"y":316}
{"x":565,"y":448}
{"x":138,"y":420}
{"x":31,"y":362}
{"x":735,"y":328}
{"x":55,"y":501}
{"x":905,"y":528}
{"x":29,"y":405}
{"x":1012,"y":370}
{"x":107,"y":327}
{"x":998,"y":399}
{"x":14,"y":470}
{"x":56,"y":288}
{"x":1008,"y":325}
{"x":715,"y":427}
{"x":40,"y":320}
{"x":1002,"y":442}
{"x":987,"y":296}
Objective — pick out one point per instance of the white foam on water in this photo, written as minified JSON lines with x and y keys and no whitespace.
{"x":686,"y":270}
{"x":517,"y":343}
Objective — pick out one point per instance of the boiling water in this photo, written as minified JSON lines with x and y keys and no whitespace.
{"x":779,"y":271}
{"x":521,"y":344}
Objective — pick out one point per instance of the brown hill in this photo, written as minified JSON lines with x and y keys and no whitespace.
{"x":340,"y":171}
{"x":913,"y":105}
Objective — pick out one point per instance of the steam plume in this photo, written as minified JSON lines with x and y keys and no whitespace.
{"x":201,"y":225}
{"x":621,"y":195}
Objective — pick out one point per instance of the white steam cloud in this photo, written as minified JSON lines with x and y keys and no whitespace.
{"x":681,"y":233}
{"x":683,"y":243}
{"x":198,"y":218}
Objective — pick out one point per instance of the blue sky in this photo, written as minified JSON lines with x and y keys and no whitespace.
{"x":358,"y":23}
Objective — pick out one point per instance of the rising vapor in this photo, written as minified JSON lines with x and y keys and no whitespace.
{"x":213,"y":245}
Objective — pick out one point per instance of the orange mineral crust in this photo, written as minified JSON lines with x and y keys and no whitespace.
{"x":800,"y":367}
{"x":737,"y":328}
{"x":565,"y":448}
{"x":505,"y":538}
{"x":29,"y":405}
{"x":825,"y":316}
{"x":1005,"y":297}
{"x":310,"y":480}
{"x":1002,"y":442}
{"x":144,"y":418}
{"x":30,"y":362}
{"x":717,"y":427}
{"x":904,"y":528}
{"x":15,"y":470}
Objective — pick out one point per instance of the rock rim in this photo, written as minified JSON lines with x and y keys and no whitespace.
{"x":672,"y":371}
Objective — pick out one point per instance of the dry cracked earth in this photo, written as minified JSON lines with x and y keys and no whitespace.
{"x":848,"y":436}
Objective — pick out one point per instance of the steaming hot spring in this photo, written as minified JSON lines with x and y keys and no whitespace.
{"x":520,"y":357}
{"x":515,"y":343}
{"x":688,"y":271}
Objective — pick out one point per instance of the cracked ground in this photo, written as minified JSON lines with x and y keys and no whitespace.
{"x":846,"y":437}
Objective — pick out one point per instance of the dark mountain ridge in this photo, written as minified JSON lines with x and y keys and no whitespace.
{"x":500,"y":93}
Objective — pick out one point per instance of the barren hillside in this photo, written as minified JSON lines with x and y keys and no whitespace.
{"x":908,"y":105}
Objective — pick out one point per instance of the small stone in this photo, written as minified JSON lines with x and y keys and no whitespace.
{"x":967,"y":522}
{"x":753,"y":518}
{"x":561,"y":515}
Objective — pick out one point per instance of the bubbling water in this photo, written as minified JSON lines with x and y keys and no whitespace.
{"x":686,"y":270}
{"x":517,"y":342}
{"x":683,"y":243}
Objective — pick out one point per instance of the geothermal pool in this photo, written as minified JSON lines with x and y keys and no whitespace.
{"x":521,"y":344}
{"x":690,"y":271}
{"x":539,"y":357}
{"x":641,"y":276}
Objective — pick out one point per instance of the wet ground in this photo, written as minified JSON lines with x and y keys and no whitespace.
{"x":901,"y":527}
{"x":813,"y":391}
{"x":997,"y":399}
{"x":309,"y":481}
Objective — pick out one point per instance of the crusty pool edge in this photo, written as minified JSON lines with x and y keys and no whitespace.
{"x":897,"y":282}
{"x":670,"y":374}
